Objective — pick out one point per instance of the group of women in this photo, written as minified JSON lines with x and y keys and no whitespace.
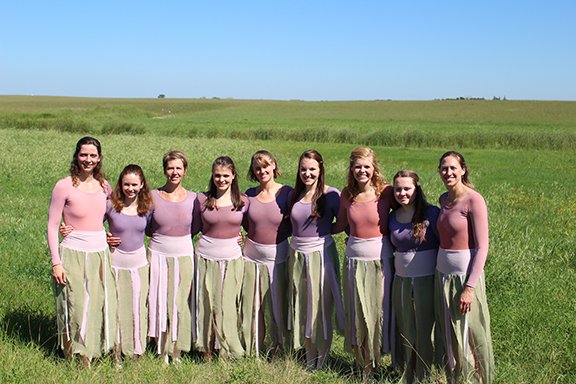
{"x":412,"y":283}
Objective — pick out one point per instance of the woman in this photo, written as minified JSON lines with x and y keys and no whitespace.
{"x":265,"y":254}
{"x":313,"y":265}
{"x":84,"y":285}
{"x":413,"y":235}
{"x":128,"y":212}
{"x":364,"y":207}
{"x":171,"y":255}
{"x":460,"y":288}
{"x":220,"y":265}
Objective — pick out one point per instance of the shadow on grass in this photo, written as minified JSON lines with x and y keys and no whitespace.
{"x":26,"y":327}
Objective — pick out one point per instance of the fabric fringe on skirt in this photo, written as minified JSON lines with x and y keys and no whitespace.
{"x":413,"y":302}
{"x":467,"y":339}
{"x":170,"y":303}
{"x":132,"y":281}
{"x":264,"y":291}
{"x":219,"y":294}
{"x":314,"y":291}
{"x":86,"y":306}
{"x":363,"y":285}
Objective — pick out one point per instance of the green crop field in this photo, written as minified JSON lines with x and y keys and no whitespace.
{"x":521,"y":155}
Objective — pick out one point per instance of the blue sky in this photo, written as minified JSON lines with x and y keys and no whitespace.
{"x":310,"y":50}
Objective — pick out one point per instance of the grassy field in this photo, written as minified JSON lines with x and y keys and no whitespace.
{"x":529,"y":190}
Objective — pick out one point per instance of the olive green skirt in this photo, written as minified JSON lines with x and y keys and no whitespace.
{"x":467,"y":340}
{"x":86,"y":306}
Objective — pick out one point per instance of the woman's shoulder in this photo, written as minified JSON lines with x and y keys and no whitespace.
{"x":251,"y":192}
{"x":330,"y":191}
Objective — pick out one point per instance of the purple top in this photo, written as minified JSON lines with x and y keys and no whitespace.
{"x":305,"y":226}
{"x":401,"y":233}
{"x":223,"y":222}
{"x":172,"y":219}
{"x":129,"y":228}
{"x":266,"y":223}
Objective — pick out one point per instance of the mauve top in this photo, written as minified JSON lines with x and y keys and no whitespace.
{"x":464,"y":225}
{"x":401,"y":233}
{"x":267,"y":223}
{"x":129,"y":228}
{"x":82,"y":210}
{"x":305,"y":226}
{"x":366,"y":219}
{"x":222,"y":222}
{"x":170,"y":218}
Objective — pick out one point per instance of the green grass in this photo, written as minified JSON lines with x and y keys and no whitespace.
{"x":530,"y":194}
{"x":462,"y":124}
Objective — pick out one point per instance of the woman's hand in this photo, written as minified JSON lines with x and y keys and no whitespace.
{"x":58,"y":274}
{"x":65,"y":229}
{"x":113,"y":241}
{"x":466,"y":298}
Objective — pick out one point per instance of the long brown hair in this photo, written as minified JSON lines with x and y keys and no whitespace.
{"x":458,"y":156}
{"x":144,"y":196}
{"x":377,"y":180}
{"x":97,"y":173}
{"x":318,"y":199}
{"x":235,"y":196}
{"x":420,"y":205}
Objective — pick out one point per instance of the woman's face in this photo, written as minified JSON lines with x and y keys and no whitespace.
{"x":88,"y":158}
{"x":309,"y":172}
{"x":175,"y":171}
{"x":131,"y":185}
{"x":222,"y":178}
{"x":451,"y":171}
{"x":363,"y":170}
{"x":404,"y":191}
{"x":264,"y":173}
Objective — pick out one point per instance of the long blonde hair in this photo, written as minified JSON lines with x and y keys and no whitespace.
{"x":377,"y":180}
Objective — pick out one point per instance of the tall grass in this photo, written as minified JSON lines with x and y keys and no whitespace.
{"x":529,"y":273}
{"x":431,"y":124}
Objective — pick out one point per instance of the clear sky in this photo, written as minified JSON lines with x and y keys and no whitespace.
{"x":309,"y":50}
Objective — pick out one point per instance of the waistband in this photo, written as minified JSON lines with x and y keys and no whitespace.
{"x":172,"y":245}
{"x":366,"y":249}
{"x":86,"y":241}
{"x":310,"y":244}
{"x":454,"y":262}
{"x":415,"y":263}
{"x":129,"y":259}
{"x":214,"y":249}
{"x":266,"y":253}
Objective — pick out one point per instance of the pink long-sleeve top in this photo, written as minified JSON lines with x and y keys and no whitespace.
{"x":129,"y":228}
{"x":366,"y":219}
{"x":172,"y":218}
{"x":82,"y":210}
{"x":222,"y":222}
{"x":267,"y":223}
{"x":305,"y":226}
{"x":464,"y":225}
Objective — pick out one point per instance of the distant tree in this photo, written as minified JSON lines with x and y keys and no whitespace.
{"x":161,"y":96}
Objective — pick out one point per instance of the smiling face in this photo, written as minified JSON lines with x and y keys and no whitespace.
{"x":264,"y":170}
{"x":404,"y":191}
{"x":222,"y":177}
{"x":131,"y":185}
{"x":309,"y":172}
{"x":363,"y":170}
{"x":88,"y":158}
{"x":451,"y":171}
{"x":175,"y":171}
